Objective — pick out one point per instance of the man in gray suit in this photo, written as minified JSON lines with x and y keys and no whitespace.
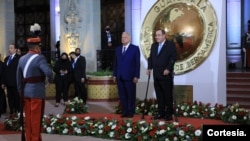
{"x":32,"y":75}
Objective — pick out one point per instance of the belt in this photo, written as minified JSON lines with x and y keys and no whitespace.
{"x":34,"y":79}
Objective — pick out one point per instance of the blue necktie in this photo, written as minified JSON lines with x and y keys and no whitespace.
{"x":9,"y":60}
{"x":159,"y":47}
{"x":73,"y":64}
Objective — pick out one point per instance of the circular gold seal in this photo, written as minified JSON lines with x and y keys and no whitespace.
{"x":192,"y":25}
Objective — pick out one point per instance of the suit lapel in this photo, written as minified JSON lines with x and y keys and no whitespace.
{"x":127,"y":50}
{"x":123,"y":54}
{"x":120,"y":51}
{"x":10,"y":62}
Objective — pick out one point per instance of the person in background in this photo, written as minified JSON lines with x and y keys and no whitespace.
{"x":79,"y":74}
{"x":3,"y":106}
{"x":247,"y":36}
{"x":246,"y":47}
{"x":62,"y":78}
{"x":58,"y":52}
{"x":9,"y":79}
{"x":33,"y":74}
{"x":18,"y":51}
{"x":126,"y":74}
{"x":108,"y":44}
{"x":161,"y":60}
{"x":107,"y":38}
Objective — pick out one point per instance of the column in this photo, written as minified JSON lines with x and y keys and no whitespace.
{"x":234,"y":31}
{"x":136,"y":19}
{"x":133,"y":15}
{"x":128,"y":16}
{"x":7,"y":25}
{"x":55,"y":23}
{"x":80,"y":26}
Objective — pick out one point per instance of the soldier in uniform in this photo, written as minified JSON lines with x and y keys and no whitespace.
{"x":33,"y":74}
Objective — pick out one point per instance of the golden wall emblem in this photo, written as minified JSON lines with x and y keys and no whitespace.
{"x":191,"y":24}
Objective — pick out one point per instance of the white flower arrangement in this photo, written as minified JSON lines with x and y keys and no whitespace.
{"x":76,"y":106}
{"x":118,"y":129}
{"x":128,"y":129}
{"x":35,"y":27}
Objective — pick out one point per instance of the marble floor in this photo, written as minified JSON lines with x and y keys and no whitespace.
{"x":94,"y":107}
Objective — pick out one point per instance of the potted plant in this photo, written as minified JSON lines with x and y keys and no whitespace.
{"x":100,"y":73}
{"x":100,"y":86}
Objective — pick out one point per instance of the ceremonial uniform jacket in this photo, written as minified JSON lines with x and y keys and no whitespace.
{"x":38,"y":67}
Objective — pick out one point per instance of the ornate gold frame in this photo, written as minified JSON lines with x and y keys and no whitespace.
{"x":192,"y":25}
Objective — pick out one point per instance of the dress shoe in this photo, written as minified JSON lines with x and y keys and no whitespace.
{"x":123,"y":115}
{"x":168,"y":118}
{"x":158,"y":117}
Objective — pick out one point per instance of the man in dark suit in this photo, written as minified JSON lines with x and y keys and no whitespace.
{"x":108,"y":44}
{"x":9,"y":79}
{"x":79,"y":74}
{"x":162,"y":59}
{"x":126,"y":73}
{"x":246,"y":46}
{"x":107,"y":38}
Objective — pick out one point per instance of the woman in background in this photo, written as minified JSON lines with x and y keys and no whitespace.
{"x":18,"y":51}
{"x":63,"y":77}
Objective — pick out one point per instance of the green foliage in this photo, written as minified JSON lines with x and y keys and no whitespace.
{"x":235,"y":114}
{"x":100,"y":73}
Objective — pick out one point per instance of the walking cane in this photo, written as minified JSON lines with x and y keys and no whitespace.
{"x":143,"y":113}
{"x":175,"y":104}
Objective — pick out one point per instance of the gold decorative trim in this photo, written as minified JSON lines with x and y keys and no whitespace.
{"x":191,"y":24}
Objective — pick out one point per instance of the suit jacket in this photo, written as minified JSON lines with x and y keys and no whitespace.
{"x":79,"y":71}
{"x":9,"y":77}
{"x":127,"y":65}
{"x":164,"y":60}
{"x":104,"y":40}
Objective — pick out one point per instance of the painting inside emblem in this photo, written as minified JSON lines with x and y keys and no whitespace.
{"x":184,"y":25}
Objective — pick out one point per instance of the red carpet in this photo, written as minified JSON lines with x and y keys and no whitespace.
{"x":182,"y":120}
{"x":3,"y":131}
